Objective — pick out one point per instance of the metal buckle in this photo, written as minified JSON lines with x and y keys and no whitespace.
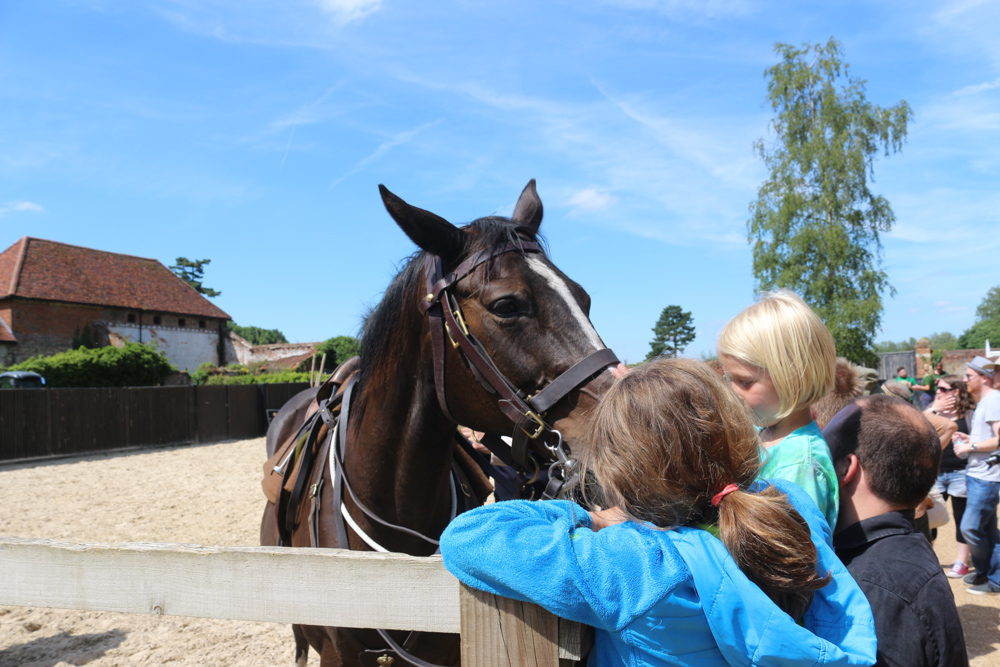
{"x":461,"y":323}
{"x":538,"y":471}
{"x":461,"y":320}
{"x":531,"y":414}
{"x":447,"y":330}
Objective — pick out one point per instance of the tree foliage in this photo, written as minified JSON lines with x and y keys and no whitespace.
{"x":258,"y":336}
{"x":337,"y":349}
{"x":976,"y":336}
{"x":989,"y":309}
{"x":815,"y":224}
{"x":133,"y":365}
{"x":192,"y":273}
{"x":672,"y":333}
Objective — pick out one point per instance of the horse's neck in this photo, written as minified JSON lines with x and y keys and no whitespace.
{"x":400,"y":454}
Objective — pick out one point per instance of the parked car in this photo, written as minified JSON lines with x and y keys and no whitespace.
{"x":21,"y":380}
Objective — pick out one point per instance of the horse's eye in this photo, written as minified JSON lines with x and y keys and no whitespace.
{"x":505,"y":307}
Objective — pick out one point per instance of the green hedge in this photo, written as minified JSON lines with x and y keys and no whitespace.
{"x":263,"y":378}
{"x":134,"y":365}
{"x":208,"y":373}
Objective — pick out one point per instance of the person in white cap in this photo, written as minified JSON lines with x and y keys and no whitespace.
{"x":982,"y":481}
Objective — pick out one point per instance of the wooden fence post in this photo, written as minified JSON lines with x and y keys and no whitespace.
{"x":500,"y":632}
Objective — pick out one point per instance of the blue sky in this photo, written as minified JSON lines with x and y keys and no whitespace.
{"x":256,"y":133}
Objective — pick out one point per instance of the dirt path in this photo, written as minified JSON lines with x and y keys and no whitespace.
{"x":205,"y":495}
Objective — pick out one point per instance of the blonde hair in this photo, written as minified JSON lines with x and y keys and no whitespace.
{"x":670,"y":435}
{"x":783,"y":336}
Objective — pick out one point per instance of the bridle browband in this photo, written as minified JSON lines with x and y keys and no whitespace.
{"x":526,"y":412}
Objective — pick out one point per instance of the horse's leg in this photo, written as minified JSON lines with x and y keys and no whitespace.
{"x":301,"y":646}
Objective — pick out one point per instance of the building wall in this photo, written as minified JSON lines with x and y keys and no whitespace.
{"x":187,"y":348}
{"x":43,"y":328}
{"x":47,"y":327}
{"x":954,"y":360}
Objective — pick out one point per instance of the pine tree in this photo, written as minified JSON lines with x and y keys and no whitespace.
{"x":192,"y":272}
{"x":672,"y":333}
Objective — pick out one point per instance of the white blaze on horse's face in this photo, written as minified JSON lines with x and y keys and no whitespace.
{"x":559,"y":286}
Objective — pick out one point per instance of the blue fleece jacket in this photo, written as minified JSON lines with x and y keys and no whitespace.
{"x":657,"y":597}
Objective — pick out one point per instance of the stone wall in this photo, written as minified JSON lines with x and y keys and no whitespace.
{"x":280,"y":355}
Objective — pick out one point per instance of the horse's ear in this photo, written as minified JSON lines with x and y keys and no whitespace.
{"x":431,"y":232}
{"x":528,"y":211}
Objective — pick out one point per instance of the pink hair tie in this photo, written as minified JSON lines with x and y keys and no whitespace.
{"x":717,"y":498}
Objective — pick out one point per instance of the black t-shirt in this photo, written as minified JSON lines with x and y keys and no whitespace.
{"x":949,"y":461}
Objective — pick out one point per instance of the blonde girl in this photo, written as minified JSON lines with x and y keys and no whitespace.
{"x":780,"y":358}
{"x":693,"y":562}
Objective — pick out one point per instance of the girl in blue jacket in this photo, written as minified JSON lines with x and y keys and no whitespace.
{"x":694,"y":563}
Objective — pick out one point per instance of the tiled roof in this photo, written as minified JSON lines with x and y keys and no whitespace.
{"x":38,"y":269}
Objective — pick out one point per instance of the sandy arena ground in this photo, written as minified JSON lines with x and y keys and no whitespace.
{"x":208,"y":495}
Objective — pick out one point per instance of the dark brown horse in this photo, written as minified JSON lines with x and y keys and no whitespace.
{"x":534,"y":324}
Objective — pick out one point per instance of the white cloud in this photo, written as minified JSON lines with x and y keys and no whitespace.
{"x":28,"y":206}
{"x":590,"y":200}
{"x":979,"y":87}
{"x":688,"y":8}
{"x":348,"y":11}
{"x":22,"y":207}
{"x":383,"y":148}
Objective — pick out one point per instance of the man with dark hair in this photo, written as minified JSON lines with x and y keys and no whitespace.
{"x":886,"y":455}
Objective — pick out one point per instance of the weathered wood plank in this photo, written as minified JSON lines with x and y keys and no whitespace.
{"x":280,"y":585}
{"x":499,"y":632}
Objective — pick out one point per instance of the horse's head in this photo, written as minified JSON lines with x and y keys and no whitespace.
{"x":531,"y":319}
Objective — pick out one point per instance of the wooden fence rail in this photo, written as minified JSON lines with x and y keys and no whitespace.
{"x":39,"y":423}
{"x":285,"y":585}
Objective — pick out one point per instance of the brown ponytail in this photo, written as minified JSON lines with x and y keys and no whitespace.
{"x":671,"y":434}
{"x":770,"y":542}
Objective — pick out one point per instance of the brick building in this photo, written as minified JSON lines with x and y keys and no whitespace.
{"x":50,"y":292}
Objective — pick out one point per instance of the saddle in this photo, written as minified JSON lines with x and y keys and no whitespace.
{"x":303,"y":457}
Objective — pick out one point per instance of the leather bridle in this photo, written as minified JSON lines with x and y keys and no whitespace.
{"x":526,"y":412}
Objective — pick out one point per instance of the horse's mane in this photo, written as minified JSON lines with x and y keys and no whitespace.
{"x":388,"y":325}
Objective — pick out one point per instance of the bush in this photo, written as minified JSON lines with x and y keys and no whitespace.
{"x":134,"y":365}
{"x":258,"y":336}
{"x":975,"y":336}
{"x":237,"y":374}
{"x":263,"y":378}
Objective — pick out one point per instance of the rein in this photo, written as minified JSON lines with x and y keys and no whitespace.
{"x":526,"y":412}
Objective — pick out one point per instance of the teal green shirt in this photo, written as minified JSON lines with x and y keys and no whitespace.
{"x":803,"y":457}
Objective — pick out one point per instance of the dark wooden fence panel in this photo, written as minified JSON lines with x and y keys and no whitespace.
{"x":245,"y":411}
{"x":58,"y":422}
{"x":212,"y":410}
{"x":159,"y":415}
{"x":87,"y":420}
{"x":18,"y":408}
{"x":276,"y":395}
